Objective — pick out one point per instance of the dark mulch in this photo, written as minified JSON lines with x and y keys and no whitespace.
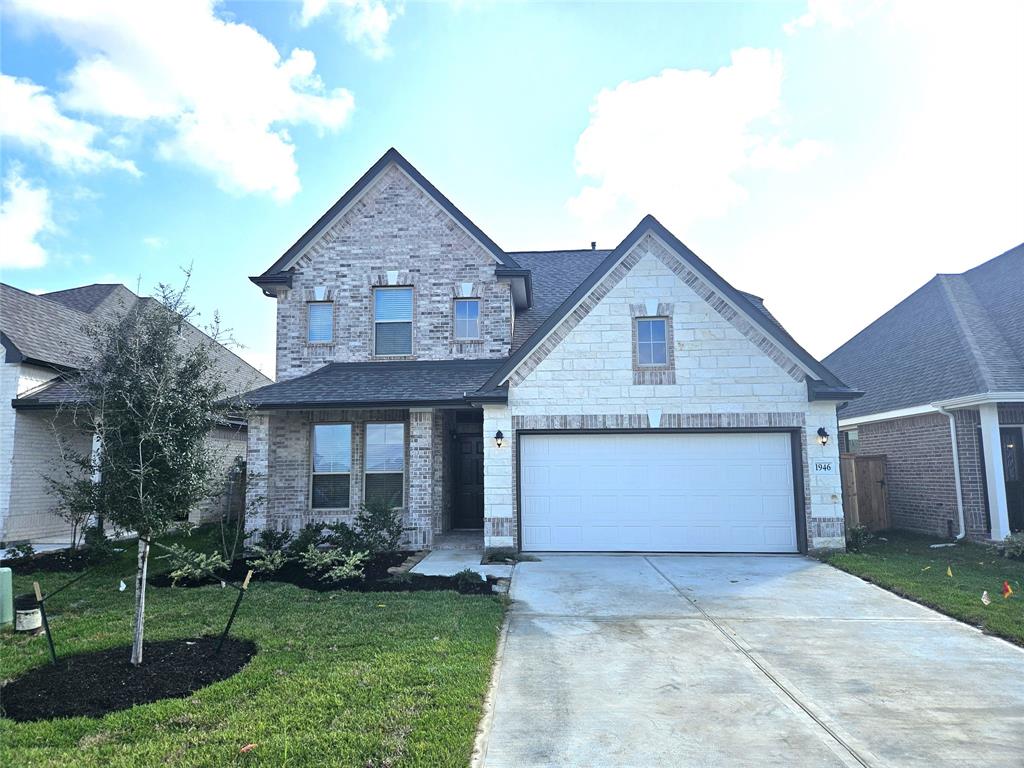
{"x":50,"y":562}
{"x":93,"y":684}
{"x":375,"y":579}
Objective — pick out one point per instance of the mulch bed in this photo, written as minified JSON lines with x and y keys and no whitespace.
{"x":94,"y":684}
{"x":59,"y":561}
{"x":375,"y":579}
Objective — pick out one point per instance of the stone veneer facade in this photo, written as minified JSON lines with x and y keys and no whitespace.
{"x":727,"y":375}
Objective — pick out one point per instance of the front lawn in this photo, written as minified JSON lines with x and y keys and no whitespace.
{"x":905,"y":564}
{"x":340,"y":678}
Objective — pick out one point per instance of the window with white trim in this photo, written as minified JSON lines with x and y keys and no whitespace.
{"x":385,"y":463}
{"x":320,"y":322}
{"x":467,"y":319}
{"x":332,"y":466}
{"x":652,"y":341}
{"x":392,"y":321}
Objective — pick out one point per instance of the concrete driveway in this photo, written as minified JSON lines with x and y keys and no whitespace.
{"x":721,"y":661}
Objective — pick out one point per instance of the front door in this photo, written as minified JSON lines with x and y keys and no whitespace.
{"x":469,"y":481}
{"x":1013,"y":473}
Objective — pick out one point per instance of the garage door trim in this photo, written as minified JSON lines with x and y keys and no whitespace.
{"x":796,"y":461}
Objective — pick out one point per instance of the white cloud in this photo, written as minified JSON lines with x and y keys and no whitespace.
{"x":674,"y":144}
{"x":24,"y":215}
{"x":837,"y":14}
{"x":942,"y":194}
{"x":366,"y":22}
{"x":225,"y":91}
{"x":154,"y":242}
{"x":30,"y":117}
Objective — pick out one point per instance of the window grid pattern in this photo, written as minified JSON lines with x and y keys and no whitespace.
{"x":652,"y":341}
{"x":467,"y":319}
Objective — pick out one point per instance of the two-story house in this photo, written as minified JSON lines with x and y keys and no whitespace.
{"x":594,"y":400}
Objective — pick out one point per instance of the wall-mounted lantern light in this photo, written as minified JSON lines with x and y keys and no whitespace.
{"x":822,"y":436}
{"x":498,"y":439}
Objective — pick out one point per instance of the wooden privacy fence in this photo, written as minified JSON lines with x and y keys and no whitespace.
{"x":864,"y":492}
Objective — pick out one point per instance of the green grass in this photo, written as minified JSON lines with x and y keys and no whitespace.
{"x":905,"y":564}
{"x":347,"y":679}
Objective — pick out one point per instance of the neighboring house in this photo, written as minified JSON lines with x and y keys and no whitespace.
{"x":944,"y":376}
{"x":44,"y":342}
{"x":615,"y":400}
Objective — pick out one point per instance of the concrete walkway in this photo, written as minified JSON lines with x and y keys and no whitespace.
{"x":448,"y":562}
{"x":741,"y":661}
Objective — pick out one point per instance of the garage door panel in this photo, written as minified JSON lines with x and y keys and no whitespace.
{"x":657,"y":492}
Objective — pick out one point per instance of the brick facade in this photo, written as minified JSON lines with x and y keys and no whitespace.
{"x":396,"y":228}
{"x":919,"y":470}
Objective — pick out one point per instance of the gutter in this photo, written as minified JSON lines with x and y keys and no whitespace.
{"x":956,"y":471}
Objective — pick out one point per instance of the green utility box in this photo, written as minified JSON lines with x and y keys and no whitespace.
{"x":6,"y":597}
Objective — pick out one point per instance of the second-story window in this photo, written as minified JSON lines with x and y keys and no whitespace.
{"x":651,"y":341}
{"x":320,"y":322}
{"x":392,"y":321}
{"x":467,"y":319}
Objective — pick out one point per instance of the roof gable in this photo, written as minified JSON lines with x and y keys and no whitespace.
{"x":37,"y":330}
{"x":324,"y":223}
{"x":739,"y":308}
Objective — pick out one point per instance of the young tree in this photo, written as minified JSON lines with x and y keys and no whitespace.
{"x":151,"y":392}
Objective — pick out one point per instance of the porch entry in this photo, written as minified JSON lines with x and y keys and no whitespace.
{"x":1011,"y":439}
{"x":468,"y":474}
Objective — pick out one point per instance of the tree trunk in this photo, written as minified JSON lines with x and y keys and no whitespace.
{"x":140,"y":600}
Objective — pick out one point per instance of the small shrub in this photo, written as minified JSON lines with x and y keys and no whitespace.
{"x":267,"y":560}
{"x":467,"y":580}
{"x":192,"y":565}
{"x":1013,"y":546}
{"x":347,"y":566}
{"x":380,"y":526}
{"x":857,"y":537}
{"x":98,"y":548}
{"x":343,"y":536}
{"x":333,"y":565}
{"x":273,"y":541}
{"x":310,"y":535}
{"x":18,"y":551}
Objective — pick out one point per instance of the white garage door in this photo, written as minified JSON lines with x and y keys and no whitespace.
{"x":725,"y":492}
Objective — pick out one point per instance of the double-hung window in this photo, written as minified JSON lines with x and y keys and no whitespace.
{"x":392,"y":321}
{"x":332,"y":466}
{"x":652,"y":341}
{"x":385,"y":463}
{"x":467,"y":319}
{"x":320,"y":322}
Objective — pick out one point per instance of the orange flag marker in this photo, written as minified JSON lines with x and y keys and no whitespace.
{"x":1007,"y":589}
{"x":949,"y":571}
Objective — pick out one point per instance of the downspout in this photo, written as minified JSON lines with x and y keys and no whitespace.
{"x":956,"y":471}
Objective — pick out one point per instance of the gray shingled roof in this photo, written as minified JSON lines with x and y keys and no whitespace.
{"x":380,"y":384}
{"x":41,"y":331}
{"x":49,"y":330}
{"x":957,"y":335}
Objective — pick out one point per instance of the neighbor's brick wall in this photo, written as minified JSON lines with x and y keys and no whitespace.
{"x":727,"y":373}
{"x":394,"y":226}
{"x":919,"y":470}
{"x":226,"y":444}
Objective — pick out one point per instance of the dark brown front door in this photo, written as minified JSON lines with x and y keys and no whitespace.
{"x":469,"y":482}
{"x":1013,"y":473}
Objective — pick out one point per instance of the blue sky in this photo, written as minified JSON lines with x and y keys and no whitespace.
{"x":829,"y":156}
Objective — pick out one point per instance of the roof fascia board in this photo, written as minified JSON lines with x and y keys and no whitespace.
{"x":984,"y":398}
{"x":899,"y":413}
{"x":357,"y":190}
{"x":362,"y":405}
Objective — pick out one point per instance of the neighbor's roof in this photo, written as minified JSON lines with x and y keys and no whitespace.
{"x":955,"y":336}
{"x":49,"y":330}
{"x":378,"y":385}
{"x":36,"y":330}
